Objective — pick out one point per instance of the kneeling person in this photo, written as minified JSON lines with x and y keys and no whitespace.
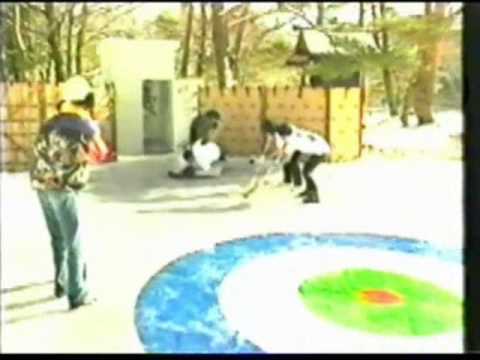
{"x":204,"y":159}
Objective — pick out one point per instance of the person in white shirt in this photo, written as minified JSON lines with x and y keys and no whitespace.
{"x":202,"y":156}
{"x":204,"y":159}
{"x":273,"y":145}
{"x":298,"y":143}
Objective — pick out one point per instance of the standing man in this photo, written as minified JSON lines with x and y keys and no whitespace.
{"x":303,"y":143}
{"x":59,"y":172}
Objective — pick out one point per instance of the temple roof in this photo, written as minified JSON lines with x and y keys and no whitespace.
{"x":313,"y":44}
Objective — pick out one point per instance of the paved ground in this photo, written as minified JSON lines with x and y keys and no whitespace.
{"x":137,"y":220}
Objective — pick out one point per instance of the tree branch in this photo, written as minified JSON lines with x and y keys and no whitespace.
{"x":299,"y":13}
{"x":232,"y":10}
{"x":109,"y":22}
{"x":375,"y":35}
{"x":31,"y":6}
{"x":252,"y":17}
{"x":18,"y":34}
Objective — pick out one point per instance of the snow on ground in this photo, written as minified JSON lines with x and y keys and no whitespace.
{"x":441,"y":139}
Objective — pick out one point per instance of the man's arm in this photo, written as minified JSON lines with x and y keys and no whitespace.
{"x":96,"y":144}
{"x":267,"y":144}
{"x":100,"y":145}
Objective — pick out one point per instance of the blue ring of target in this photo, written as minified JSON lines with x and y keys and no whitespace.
{"x":178,"y":311}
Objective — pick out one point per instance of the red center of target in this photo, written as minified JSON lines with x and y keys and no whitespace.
{"x":380,"y":297}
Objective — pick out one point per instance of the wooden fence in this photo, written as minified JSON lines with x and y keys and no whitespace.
{"x":335,"y":113}
{"x":23,"y":109}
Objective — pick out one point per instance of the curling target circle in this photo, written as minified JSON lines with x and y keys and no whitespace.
{"x":306,"y":293}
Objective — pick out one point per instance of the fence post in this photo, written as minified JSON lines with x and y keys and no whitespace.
{"x":328,"y":114}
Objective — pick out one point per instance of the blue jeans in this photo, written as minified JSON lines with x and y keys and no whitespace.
{"x":61,"y":215}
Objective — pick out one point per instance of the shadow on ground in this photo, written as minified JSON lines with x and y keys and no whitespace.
{"x":145,"y":180}
{"x":26,"y":286}
{"x":42,"y":315}
{"x":199,"y":209}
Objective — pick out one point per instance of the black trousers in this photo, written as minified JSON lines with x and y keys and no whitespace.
{"x":291,"y":171}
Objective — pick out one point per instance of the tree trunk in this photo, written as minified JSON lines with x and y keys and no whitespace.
{"x":81,"y":39}
{"x":186,"y":42}
{"x":361,"y":14}
{"x":29,"y":38}
{"x":70,"y":21}
{"x":53,"y":40}
{"x":387,"y":73}
{"x":235,"y":56}
{"x":10,"y":46}
{"x":423,"y":100}
{"x":20,"y":59}
{"x":3,"y":47}
{"x":407,"y":103}
{"x":428,"y":8}
{"x":220,"y":42}
{"x":203,"y":39}
{"x":382,"y":42}
{"x":390,"y":92}
{"x":425,"y":82}
{"x":320,"y":13}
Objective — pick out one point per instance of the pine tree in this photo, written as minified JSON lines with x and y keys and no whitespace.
{"x":408,"y":40}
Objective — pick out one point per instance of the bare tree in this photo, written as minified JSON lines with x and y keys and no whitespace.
{"x":235,"y":55}
{"x":382,"y":42}
{"x":81,"y":38}
{"x":22,"y":56}
{"x":3,"y":58}
{"x":220,"y":42}
{"x":428,"y":7}
{"x":187,"y":41}
{"x":425,"y":82}
{"x":53,"y":40}
{"x":361,"y":14}
{"x":320,"y":13}
{"x":203,"y":39}
{"x":70,"y":25}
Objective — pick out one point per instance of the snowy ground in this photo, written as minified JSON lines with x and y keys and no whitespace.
{"x":439,"y":140}
{"x":137,"y":220}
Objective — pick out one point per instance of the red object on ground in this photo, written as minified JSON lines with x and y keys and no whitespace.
{"x":96,"y":157}
{"x":380,"y":297}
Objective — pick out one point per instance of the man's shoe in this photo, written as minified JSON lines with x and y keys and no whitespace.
{"x":302,"y":194}
{"x":59,"y":292}
{"x":311,"y":198}
{"x":188,"y":172}
{"x":88,"y":300}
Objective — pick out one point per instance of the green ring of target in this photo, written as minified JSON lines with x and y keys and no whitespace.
{"x":382,"y":302}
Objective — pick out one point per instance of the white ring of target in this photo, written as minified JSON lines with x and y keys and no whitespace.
{"x":285,"y":325}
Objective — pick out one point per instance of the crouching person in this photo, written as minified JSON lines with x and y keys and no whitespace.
{"x":271,"y":152}
{"x":301,"y":145}
{"x":204,"y":159}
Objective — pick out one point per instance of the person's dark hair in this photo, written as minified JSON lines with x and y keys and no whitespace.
{"x":267,"y":126}
{"x":88,"y":103}
{"x":213,"y":114}
{"x":284,"y":130}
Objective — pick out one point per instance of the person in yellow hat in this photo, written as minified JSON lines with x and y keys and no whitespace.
{"x":59,"y":172}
